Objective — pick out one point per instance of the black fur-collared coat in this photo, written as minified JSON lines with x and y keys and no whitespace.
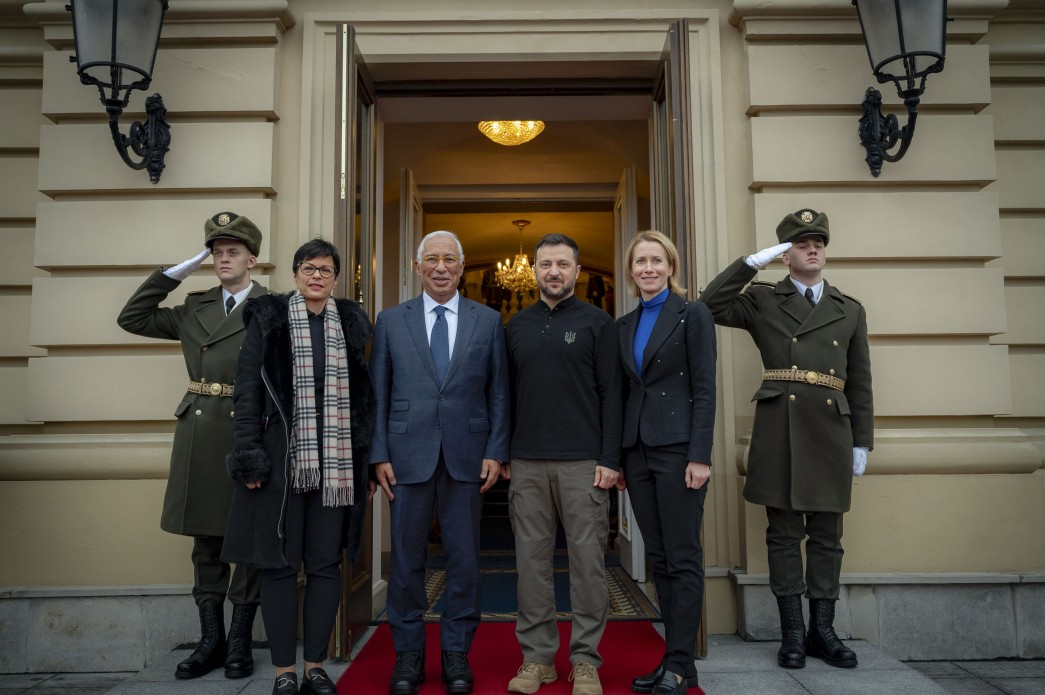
{"x":264,"y":407}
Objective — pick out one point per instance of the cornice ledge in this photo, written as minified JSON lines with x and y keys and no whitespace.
{"x":21,"y":55}
{"x":833,"y":9}
{"x":1017,"y":53}
{"x":941,"y":451}
{"x":278,"y":11}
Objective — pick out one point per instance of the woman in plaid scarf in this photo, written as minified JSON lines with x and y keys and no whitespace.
{"x":304,"y":417}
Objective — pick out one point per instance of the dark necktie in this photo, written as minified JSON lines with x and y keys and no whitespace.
{"x":440,"y":344}
{"x":809,"y":296}
{"x":230,"y":304}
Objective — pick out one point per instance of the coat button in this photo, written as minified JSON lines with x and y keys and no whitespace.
{"x":830,"y":371}
{"x":205,"y":347}
{"x":794,"y":340}
{"x":794,"y":366}
{"x":232,"y":413}
{"x":835,"y":343}
{"x":682,"y":374}
{"x":791,"y":397}
{"x":829,"y":401}
{"x":199,"y":412}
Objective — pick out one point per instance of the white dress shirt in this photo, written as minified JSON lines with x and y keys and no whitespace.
{"x":818,"y":289}
{"x":450,"y":315}
{"x":239,"y":296}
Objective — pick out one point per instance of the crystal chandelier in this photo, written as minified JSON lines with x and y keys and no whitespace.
{"x":517,"y":276}
{"x":511,"y":132}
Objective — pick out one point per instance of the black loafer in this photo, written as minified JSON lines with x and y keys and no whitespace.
{"x":669,"y":684}
{"x":317,"y":682}
{"x":646,"y":683}
{"x":457,"y":674}
{"x":286,"y":684}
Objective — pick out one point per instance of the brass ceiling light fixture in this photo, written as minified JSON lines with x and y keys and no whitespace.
{"x":517,"y":276}
{"x":511,"y":133}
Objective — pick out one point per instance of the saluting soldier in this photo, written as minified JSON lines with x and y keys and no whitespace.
{"x":814,"y":423}
{"x":210,"y":327}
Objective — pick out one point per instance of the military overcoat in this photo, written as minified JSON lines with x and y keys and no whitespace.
{"x":801,"y":454}
{"x":196,"y":502}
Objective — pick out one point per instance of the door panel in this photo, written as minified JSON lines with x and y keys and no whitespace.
{"x":411,"y":225}
{"x":354,"y":234}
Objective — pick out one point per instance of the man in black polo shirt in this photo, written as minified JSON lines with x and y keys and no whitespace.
{"x":565,"y":448}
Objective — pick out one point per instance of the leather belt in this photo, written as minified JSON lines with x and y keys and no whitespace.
{"x":210,"y":388}
{"x":804,"y":376}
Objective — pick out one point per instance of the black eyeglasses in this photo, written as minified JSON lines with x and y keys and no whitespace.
{"x":325,"y":272}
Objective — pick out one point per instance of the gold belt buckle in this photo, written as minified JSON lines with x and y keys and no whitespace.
{"x":215,"y":388}
{"x":812,"y":378}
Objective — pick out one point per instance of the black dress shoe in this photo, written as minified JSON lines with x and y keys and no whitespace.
{"x":210,"y":652}
{"x":669,"y":684}
{"x":317,"y":682}
{"x":646,"y":683}
{"x":457,"y":674}
{"x":408,"y":673}
{"x":286,"y":684}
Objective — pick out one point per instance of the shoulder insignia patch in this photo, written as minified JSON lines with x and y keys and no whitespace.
{"x":196,"y":293}
{"x":763,"y":283}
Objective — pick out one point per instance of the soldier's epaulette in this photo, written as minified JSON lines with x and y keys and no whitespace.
{"x":194,"y":293}
{"x":849,"y":296}
{"x":763,"y":283}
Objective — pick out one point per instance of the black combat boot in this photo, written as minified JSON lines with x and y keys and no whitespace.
{"x":210,"y":652}
{"x":823,"y":642}
{"x":792,"y":652}
{"x":239,"y":662}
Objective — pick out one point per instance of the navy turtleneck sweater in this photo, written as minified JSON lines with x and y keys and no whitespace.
{"x":647,"y":317}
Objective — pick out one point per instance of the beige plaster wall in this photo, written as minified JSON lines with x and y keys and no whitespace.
{"x":952,"y":233}
{"x":933,"y":248}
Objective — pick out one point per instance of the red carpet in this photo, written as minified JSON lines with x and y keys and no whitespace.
{"x":628,"y":649}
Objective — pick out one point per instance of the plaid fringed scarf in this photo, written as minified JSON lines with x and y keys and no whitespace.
{"x":336,"y":459}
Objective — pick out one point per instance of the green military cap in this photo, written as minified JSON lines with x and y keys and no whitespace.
{"x":229,"y":225}
{"x":803,"y":223}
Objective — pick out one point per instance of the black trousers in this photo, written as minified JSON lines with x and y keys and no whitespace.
{"x":314,"y":538}
{"x":670,"y":515}
{"x":787,"y":530}
{"x":214,"y":579}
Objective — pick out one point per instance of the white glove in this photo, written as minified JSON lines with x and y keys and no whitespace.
{"x":760,"y":260}
{"x":187,"y":268}
{"x":859,"y":460}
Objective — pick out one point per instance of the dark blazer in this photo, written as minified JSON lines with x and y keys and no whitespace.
{"x":264,"y":415}
{"x":801,"y":455}
{"x":196,"y":502}
{"x":673,"y":403}
{"x":466,"y":416}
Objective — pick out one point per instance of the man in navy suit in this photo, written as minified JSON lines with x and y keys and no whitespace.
{"x":440,"y":372}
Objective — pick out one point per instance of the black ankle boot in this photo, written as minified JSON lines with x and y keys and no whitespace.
{"x":822,"y":641}
{"x":792,"y":652}
{"x":210,"y":652}
{"x":239,"y":662}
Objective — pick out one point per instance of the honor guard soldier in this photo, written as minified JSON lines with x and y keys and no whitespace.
{"x":209,"y":325}
{"x":814,"y":423}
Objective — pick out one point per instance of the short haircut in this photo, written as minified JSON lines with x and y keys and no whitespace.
{"x":671,"y":255}
{"x":317,"y":248}
{"x":435,"y":234}
{"x":556,"y":240}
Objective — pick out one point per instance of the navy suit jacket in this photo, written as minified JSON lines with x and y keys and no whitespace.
{"x":466,"y":416}
{"x":673,"y":403}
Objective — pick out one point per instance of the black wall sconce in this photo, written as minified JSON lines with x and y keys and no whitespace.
{"x":116,"y":43}
{"x":905,"y":41}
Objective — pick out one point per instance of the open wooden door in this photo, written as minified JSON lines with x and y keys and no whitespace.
{"x":671,"y":179}
{"x":411,"y":229}
{"x":355,"y":236}
{"x":631,"y":549}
